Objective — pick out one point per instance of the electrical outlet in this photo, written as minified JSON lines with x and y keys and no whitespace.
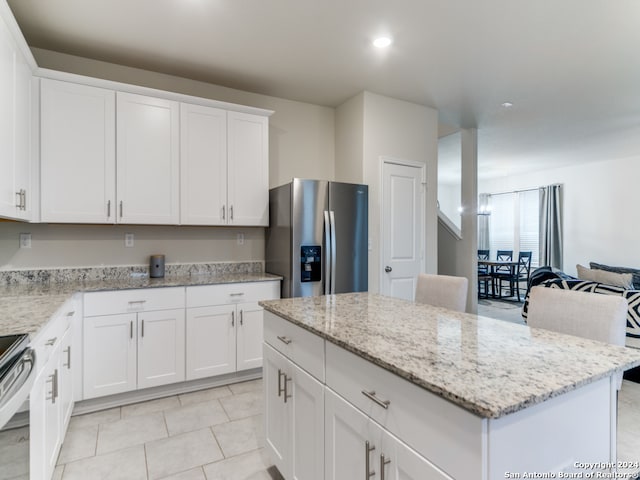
{"x":25,"y":240}
{"x":128,"y":240}
{"x":241,"y":239}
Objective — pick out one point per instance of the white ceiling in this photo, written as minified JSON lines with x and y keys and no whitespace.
{"x":570,"y":67}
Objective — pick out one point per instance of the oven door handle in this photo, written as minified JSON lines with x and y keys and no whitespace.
{"x":13,"y":395}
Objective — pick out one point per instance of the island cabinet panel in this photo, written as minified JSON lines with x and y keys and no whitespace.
{"x":447,"y":435}
{"x":294,"y":433}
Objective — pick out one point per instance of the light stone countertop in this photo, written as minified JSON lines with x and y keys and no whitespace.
{"x":489,"y":367}
{"x":26,"y":308}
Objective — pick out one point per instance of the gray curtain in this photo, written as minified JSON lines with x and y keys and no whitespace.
{"x":551,"y":226}
{"x":483,"y":222}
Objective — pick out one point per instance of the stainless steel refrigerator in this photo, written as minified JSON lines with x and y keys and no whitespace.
{"x":318,"y":237}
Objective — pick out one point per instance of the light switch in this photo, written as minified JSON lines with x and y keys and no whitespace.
{"x":241,"y":239}
{"x":25,"y":240}
{"x":128,"y":240}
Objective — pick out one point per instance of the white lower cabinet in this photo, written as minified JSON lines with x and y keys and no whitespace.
{"x":224,"y":327}
{"x":51,"y":398}
{"x":294,"y":429}
{"x":357,"y":447}
{"x":142,"y":348}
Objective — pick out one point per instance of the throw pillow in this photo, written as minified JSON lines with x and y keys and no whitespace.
{"x":624,"y":280}
{"x":633,"y":271}
{"x":585,"y":273}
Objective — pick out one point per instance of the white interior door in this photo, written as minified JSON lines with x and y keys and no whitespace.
{"x":402,"y":227}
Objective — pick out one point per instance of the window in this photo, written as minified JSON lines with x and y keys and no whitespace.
{"x":513,"y":224}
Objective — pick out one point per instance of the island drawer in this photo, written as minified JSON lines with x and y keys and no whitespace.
{"x":228,"y":293}
{"x":136,"y":300}
{"x":50,"y":336}
{"x":302,"y":347}
{"x":444,"y":433}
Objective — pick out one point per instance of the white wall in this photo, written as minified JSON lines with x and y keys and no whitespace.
{"x":450,"y":201}
{"x":600,"y":215}
{"x":407,"y":131}
{"x":350,"y":140}
{"x":301,"y":144}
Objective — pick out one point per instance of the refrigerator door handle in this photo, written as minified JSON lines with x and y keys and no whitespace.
{"x":332,"y":217}
{"x":327,"y":254}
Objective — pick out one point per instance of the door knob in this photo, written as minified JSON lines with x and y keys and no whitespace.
{"x":387,"y":269}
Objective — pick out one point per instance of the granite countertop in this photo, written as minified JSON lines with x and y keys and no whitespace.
{"x":489,"y":367}
{"x":25,"y":308}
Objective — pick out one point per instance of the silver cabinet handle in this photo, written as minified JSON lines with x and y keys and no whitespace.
{"x":51,"y":341}
{"x":233,"y":319}
{"x":284,"y":340}
{"x":68,"y":364}
{"x":383,"y":462}
{"x":108,"y":208}
{"x":21,"y":202}
{"x":223,"y":211}
{"x":372,"y":396}
{"x":131,"y":329}
{"x":120,"y":208}
{"x":239,"y":294}
{"x":368,"y":448}
{"x":286,"y":391}
{"x":280,"y":389}
{"x":231,"y":212}
{"x":24,"y":199}
{"x":131,"y":302}
{"x":53,"y":378}
{"x":241,"y":318}
{"x":142,"y":328}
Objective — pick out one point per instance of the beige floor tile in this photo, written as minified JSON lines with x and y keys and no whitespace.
{"x":151,"y":406}
{"x":14,"y":460}
{"x":249,"y":466}
{"x":95,"y":418}
{"x":248,"y":386}
{"x":195,"y":474}
{"x":181,"y":453}
{"x":194,"y":417}
{"x":243,"y":405}
{"x":204,"y":395}
{"x":78,"y":443}
{"x":126,"y":464}
{"x":130,"y":431}
{"x":240,"y":436}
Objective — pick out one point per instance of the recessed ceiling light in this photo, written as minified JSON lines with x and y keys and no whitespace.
{"x":382,"y":42}
{"x":506,"y":105}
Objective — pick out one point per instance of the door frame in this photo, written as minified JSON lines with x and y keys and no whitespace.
{"x":423,"y":193}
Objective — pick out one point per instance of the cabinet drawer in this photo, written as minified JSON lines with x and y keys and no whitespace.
{"x":140,"y":300}
{"x":224,"y":294}
{"x":445,"y":434}
{"x":303,"y":348}
{"x":48,"y":339}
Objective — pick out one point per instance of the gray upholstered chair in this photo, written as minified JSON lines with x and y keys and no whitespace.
{"x":582,"y":314}
{"x":442,"y":291}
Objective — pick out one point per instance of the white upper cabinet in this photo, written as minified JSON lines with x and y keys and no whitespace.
{"x":147,"y":167}
{"x":77,"y":162}
{"x":203,"y":165}
{"x":15,"y":131}
{"x":248,"y":164}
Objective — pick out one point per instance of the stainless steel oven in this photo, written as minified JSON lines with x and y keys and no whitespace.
{"x":17,"y":374}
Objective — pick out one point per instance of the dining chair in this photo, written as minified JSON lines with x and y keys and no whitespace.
{"x":502,"y":256}
{"x":583,"y":314}
{"x":517,"y":274}
{"x":483,"y":274}
{"x":442,"y":291}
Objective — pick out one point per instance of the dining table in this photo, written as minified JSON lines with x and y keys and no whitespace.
{"x":492,"y":266}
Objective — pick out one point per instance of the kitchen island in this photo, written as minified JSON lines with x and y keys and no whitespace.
{"x":432,"y":393}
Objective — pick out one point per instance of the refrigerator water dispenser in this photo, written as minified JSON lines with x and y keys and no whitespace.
{"x":310,"y":263}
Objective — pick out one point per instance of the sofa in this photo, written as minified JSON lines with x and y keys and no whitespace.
{"x":548,"y":277}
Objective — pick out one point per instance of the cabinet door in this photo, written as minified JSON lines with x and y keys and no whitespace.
{"x":211,"y":341}
{"x":8,"y":54}
{"x":403,"y":463}
{"x":147,"y":148}
{"x":44,"y":420}
{"x":277,"y":416}
{"x":161,"y":348}
{"x":307,"y":425}
{"x":65,"y":379}
{"x":22,"y":138}
{"x":248,"y":163}
{"x":249,"y":336}
{"x":203,"y":165}
{"x":351,"y":440}
{"x":109,"y":354}
{"x":78,"y":163}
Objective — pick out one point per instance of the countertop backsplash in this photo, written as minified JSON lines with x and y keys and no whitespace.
{"x":98,"y":273}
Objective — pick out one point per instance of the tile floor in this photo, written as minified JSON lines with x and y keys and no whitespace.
{"x":214,"y":434}
{"x":205,"y":435}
